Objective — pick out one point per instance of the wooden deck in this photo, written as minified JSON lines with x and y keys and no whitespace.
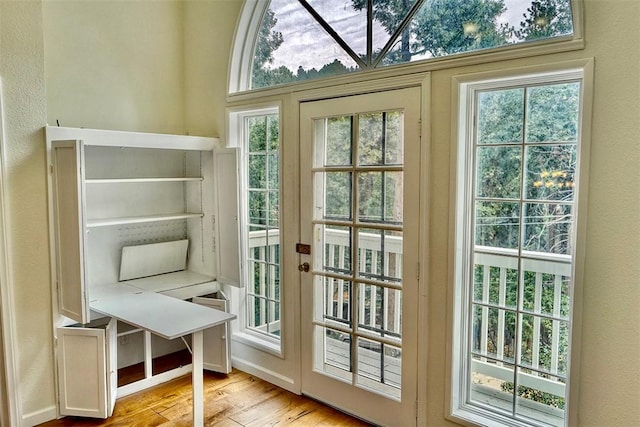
{"x":370,"y":363}
{"x":233,"y":400}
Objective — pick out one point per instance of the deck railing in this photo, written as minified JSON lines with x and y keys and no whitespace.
{"x":379,"y":308}
{"x":521,"y":329}
{"x":263,"y":266}
{"x":544,"y":295}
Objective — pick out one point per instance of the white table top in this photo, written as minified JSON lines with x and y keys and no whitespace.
{"x":159,"y":314}
{"x":168,"y":281}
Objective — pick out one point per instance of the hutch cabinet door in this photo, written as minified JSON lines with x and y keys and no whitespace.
{"x":227,"y":224}
{"x":217,"y":348}
{"x":68,"y":187}
{"x":87,"y":369}
{"x":111,"y":341}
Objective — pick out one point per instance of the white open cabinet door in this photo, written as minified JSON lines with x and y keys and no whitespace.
{"x":227,"y":225}
{"x":87,"y":379}
{"x":217,"y":348}
{"x":112,"y":364}
{"x":68,"y":187}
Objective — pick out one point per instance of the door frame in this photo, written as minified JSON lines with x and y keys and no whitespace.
{"x":291,"y":156}
{"x":10,"y":408}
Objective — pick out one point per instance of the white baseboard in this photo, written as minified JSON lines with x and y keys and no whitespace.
{"x":39,"y":417}
{"x":145,"y":383}
{"x":265,"y":374}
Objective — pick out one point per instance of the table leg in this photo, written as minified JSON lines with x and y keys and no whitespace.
{"x":197,"y":379}
{"x":148,"y":355}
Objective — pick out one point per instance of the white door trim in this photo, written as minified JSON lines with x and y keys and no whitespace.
{"x":291,"y":137}
{"x":9,"y":388}
{"x":320,"y":386}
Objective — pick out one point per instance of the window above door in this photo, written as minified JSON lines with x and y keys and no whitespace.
{"x":280,"y":42}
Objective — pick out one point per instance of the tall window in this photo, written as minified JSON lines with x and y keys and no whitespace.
{"x":309,"y":39}
{"x":261,"y":178}
{"x":516,"y":214}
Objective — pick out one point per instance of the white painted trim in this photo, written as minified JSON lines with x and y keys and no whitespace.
{"x":11,"y":388}
{"x":265,"y":374}
{"x":462,"y":88}
{"x":257,"y":341}
{"x":154,"y":380}
{"x":115,"y":138}
{"x":243,"y":44}
{"x":424,"y":251}
{"x":38,"y":417}
{"x":581,"y":240}
{"x":464,"y":60}
{"x":236,"y":136}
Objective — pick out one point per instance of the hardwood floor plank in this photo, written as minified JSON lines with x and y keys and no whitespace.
{"x":160,"y":395}
{"x":145,"y":417}
{"x":234,"y":400}
{"x":271,"y":409}
{"x":219,"y":402}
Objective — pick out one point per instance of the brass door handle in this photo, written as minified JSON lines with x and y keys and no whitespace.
{"x":304,"y":267}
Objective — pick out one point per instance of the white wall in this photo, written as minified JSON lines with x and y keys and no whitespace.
{"x":115,"y":64}
{"x":610,"y":379}
{"x":209,"y":29}
{"x":22,"y":73}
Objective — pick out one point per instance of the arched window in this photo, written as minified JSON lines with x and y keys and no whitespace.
{"x":291,"y":41}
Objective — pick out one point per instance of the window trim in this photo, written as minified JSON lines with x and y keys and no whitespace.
{"x":460,"y":233}
{"x":236,"y":136}
{"x":250,"y":18}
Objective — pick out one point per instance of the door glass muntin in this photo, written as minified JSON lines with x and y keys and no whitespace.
{"x":359,"y":202}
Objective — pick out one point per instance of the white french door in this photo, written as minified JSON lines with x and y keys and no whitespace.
{"x":360,"y":160}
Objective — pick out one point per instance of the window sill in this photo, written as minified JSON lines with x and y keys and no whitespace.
{"x":259,"y":343}
{"x":477,"y":415}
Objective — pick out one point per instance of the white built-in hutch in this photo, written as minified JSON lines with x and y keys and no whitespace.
{"x":144,"y":235}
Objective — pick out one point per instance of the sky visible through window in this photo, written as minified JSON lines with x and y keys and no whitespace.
{"x":309,"y":39}
{"x":350,"y":24}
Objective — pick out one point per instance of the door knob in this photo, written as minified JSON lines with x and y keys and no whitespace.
{"x":304,"y":267}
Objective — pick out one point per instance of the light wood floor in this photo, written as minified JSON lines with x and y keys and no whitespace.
{"x":233,"y":400}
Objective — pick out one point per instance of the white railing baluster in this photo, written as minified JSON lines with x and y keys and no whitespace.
{"x":397,"y":327}
{"x":555,"y":338}
{"x":385,"y":309}
{"x":342,"y":285}
{"x":537,"y":308}
{"x":330,"y":291}
{"x":485,"y":311}
{"x":361,"y":303}
{"x":502,"y":292}
{"x":362,"y":266}
{"x":385,"y":264}
{"x":374,"y":261}
{"x":272,"y":282}
{"x":263,"y":285}
{"x":373,"y":304}
{"x":330,"y":286}
{"x":375,"y":290}
{"x":252,"y":313}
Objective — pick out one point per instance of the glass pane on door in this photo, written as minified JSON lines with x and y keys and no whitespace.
{"x":358,"y":213}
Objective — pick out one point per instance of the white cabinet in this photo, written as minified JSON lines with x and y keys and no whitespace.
{"x":217,"y":357}
{"x":87,"y":377}
{"x":107,"y":197}
{"x":113,"y":192}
